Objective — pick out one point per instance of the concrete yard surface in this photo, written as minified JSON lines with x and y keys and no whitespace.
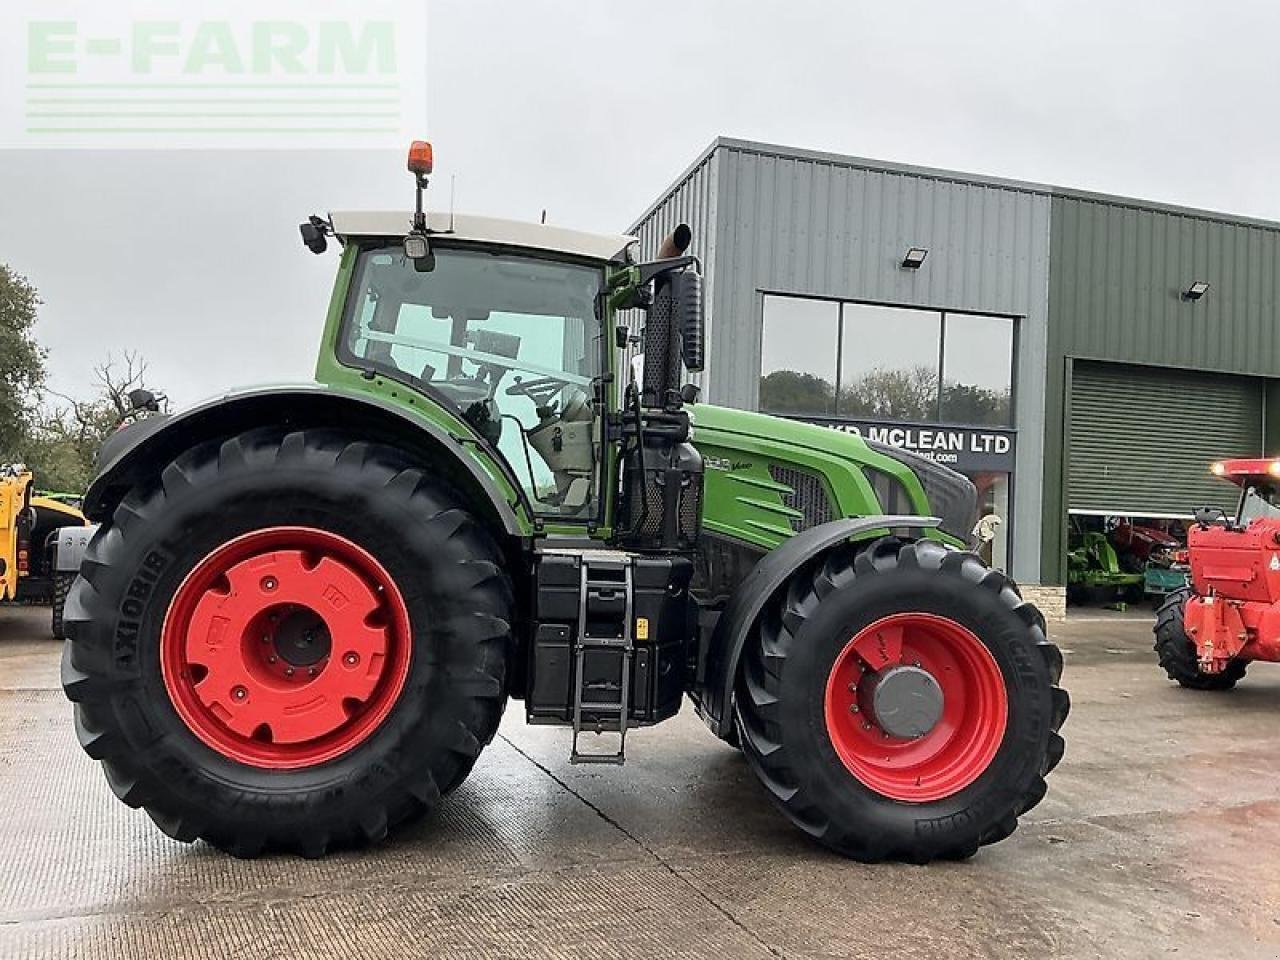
{"x":1160,"y":836}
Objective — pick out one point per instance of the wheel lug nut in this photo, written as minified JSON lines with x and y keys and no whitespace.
{"x":271,"y":659}
{"x":239,"y":693}
{"x":269,"y":583}
{"x":288,"y":671}
{"x":865,"y":725}
{"x":311,"y":671}
{"x":351,"y":659}
{"x":853,"y":708}
{"x":853,"y":688}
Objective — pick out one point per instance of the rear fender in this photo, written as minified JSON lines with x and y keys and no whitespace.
{"x":763,"y":582}
{"x":137,"y":455}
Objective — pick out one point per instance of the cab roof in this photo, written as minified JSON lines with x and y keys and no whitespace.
{"x":1241,"y":471}
{"x":472,"y":229}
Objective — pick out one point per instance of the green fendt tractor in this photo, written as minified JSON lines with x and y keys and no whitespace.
{"x":307,"y":606}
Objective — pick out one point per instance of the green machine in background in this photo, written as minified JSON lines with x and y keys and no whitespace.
{"x":1094,"y":573}
{"x":307,"y":606}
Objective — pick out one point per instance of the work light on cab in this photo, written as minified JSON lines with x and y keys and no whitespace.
{"x":416,"y":245}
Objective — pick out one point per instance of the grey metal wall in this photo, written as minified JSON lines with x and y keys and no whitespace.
{"x":794,"y":221}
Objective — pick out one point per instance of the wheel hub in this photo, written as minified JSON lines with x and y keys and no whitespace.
{"x":906,"y":702}
{"x":301,"y":638}
{"x":285,"y":647}
{"x":915,"y":707}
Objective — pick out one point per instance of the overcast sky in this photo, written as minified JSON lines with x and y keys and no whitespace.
{"x":590,"y":109}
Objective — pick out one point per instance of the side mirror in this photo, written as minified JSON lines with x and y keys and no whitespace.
{"x":314,"y":232}
{"x":142,"y":399}
{"x":686,"y":291}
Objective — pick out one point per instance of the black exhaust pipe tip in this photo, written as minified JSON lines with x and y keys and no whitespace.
{"x":676,"y":243}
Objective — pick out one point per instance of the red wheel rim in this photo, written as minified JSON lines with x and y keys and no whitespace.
{"x":958,"y":748}
{"x":285,"y":647}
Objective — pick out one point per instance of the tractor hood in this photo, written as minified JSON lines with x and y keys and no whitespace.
{"x":850,"y":476}
{"x":795,"y":432}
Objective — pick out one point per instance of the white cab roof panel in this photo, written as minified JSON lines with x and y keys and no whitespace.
{"x":462,"y":227}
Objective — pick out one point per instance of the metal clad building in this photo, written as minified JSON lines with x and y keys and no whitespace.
{"x":1145,"y":385}
{"x":817,"y":225}
{"x":1045,"y":345}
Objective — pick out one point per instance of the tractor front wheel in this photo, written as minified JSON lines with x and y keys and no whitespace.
{"x":901,"y":702}
{"x":293,"y":641}
{"x":1177,"y":653}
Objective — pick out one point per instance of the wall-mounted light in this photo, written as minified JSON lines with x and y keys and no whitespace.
{"x":914,"y":258}
{"x":1196,"y":290}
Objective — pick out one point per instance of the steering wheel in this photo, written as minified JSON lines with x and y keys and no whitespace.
{"x":541,"y":390}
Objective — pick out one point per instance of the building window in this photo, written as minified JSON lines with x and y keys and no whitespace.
{"x":889,"y":363}
{"x":936,"y":383}
{"x":977,"y":363}
{"x":798,"y":356}
{"x":900,"y":364}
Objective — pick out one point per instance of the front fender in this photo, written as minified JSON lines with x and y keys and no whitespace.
{"x":137,"y":454}
{"x":761,"y":584}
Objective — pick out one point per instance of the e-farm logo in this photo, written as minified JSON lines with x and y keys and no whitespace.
{"x":155,"y":75}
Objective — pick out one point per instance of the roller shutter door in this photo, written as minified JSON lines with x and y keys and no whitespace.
{"x":1142,"y":438}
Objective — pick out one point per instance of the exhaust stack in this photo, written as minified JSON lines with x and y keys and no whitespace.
{"x":662,"y":333}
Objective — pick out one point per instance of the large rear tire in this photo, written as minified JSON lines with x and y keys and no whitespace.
{"x":945,"y":781}
{"x":294,"y":641}
{"x":1177,"y":654}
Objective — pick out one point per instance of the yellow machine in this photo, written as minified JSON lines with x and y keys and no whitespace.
{"x":29,"y":526}
{"x":15,"y":529}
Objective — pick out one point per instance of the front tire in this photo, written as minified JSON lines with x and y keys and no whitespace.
{"x":965,"y":758}
{"x":294,"y":641}
{"x":1177,"y":653}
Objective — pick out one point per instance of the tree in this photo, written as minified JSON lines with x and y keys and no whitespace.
{"x":22,"y":369}
{"x":64,"y":442}
{"x":966,"y":403}
{"x":789,"y":391}
{"x":910,"y":393}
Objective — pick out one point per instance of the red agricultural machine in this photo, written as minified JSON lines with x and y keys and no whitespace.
{"x":1229,"y":615}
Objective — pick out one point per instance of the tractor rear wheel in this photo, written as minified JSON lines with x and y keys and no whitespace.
{"x":1177,"y":653}
{"x":901,"y":702}
{"x":293,"y":641}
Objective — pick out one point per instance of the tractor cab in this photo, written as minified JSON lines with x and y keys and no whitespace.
{"x":1239,"y":558}
{"x":1259,"y":483}
{"x":506,"y":333}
